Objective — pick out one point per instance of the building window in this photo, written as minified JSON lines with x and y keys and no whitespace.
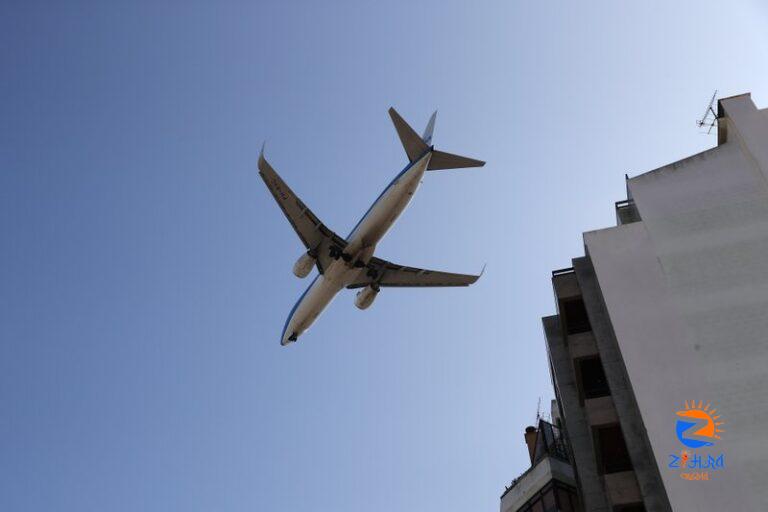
{"x":591,"y":378}
{"x":576,"y":319}
{"x":567,"y":500}
{"x":553,"y":497}
{"x":612,"y":454}
{"x":634,"y":507}
{"x":549,"y":501}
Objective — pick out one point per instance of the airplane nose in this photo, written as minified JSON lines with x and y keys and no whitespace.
{"x":288,"y":339}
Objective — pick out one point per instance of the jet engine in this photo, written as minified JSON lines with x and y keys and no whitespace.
{"x":364,"y":297}
{"x":303,"y":265}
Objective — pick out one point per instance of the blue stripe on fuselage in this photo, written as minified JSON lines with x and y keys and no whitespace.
{"x":407,"y":167}
{"x":293,"y":309}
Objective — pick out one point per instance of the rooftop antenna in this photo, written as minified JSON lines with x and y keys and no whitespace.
{"x":709,"y":119}
{"x":538,"y":412}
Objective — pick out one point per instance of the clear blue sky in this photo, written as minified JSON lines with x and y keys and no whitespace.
{"x":145,"y":271}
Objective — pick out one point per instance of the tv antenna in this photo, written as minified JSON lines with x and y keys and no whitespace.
{"x":538,"y":412}
{"x":709,"y":119}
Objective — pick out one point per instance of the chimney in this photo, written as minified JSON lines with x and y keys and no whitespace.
{"x":530,"y":440}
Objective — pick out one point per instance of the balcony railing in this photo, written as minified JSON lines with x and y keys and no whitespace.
{"x":550,"y":442}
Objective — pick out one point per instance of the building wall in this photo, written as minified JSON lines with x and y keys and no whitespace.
{"x":686,"y":290}
{"x":587,"y":411}
{"x":577,"y":429}
{"x":622,"y":397}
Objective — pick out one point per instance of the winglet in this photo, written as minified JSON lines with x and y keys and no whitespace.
{"x":263,"y":164}
{"x":477,"y":277}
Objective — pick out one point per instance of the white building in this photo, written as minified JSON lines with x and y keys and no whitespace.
{"x":666,"y":319}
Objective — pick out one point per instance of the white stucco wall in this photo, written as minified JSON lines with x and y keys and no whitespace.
{"x":687,"y":293}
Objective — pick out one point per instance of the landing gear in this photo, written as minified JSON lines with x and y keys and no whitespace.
{"x":337,"y":253}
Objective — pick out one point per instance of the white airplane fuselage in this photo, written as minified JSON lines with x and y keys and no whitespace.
{"x":361,"y":244}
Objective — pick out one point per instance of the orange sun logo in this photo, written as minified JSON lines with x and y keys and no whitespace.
{"x":702,"y":416}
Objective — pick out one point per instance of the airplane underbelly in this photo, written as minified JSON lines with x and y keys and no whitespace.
{"x":384,"y":214}
{"x":335,"y":272}
{"x":320,"y":295}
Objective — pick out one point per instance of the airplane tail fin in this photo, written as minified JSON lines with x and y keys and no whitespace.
{"x":416,"y":146}
{"x":427,"y":137}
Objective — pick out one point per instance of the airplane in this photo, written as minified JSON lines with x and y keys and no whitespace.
{"x":349,"y":262}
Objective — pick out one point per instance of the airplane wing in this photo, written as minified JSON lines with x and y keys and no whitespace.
{"x":315,"y":236}
{"x":385,"y":273}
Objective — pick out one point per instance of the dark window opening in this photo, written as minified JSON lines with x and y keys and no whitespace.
{"x":634,"y":507}
{"x":549,"y":501}
{"x":576,"y":319}
{"x":592,"y":378}
{"x":553,"y":497}
{"x":566,"y":500}
{"x":612,"y":454}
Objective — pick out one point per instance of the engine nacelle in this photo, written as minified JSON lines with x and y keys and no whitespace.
{"x":364,"y":297}
{"x":303,"y":265}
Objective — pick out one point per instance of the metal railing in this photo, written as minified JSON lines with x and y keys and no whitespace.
{"x":562,"y":271}
{"x":553,"y":444}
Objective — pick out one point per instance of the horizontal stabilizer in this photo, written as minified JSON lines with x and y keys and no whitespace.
{"x":443,"y":160}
